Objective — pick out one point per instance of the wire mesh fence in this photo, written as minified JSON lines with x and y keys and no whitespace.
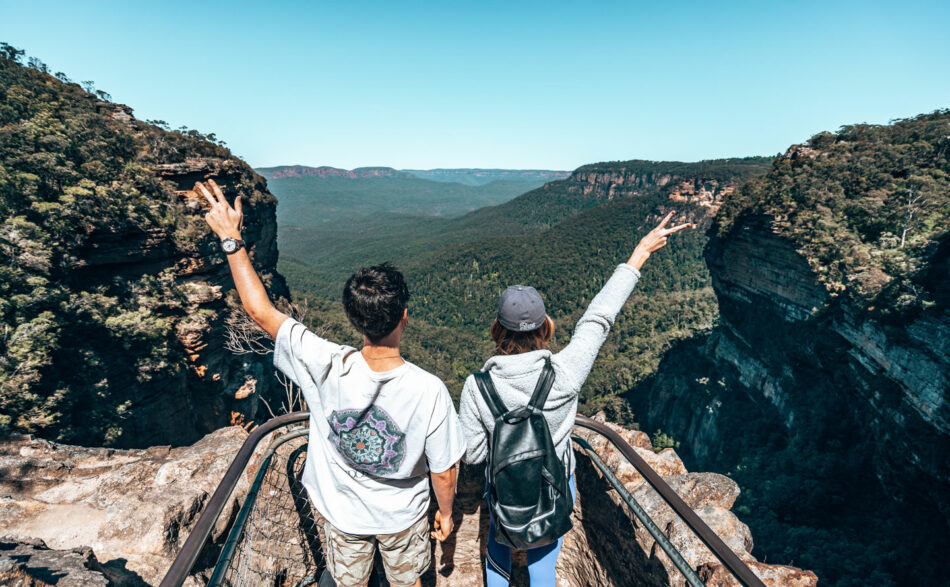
{"x":276,"y":539}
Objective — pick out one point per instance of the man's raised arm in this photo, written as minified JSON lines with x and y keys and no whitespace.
{"x":225,"y":221}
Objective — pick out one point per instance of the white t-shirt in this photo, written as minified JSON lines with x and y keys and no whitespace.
{"x":374,"y":436}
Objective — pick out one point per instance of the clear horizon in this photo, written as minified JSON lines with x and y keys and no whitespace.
{"x":534,"y":86}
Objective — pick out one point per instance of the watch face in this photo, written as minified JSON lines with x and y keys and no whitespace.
{"x":229,"y":245}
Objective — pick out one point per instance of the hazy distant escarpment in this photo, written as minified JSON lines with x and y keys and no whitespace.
{"x":474,"y":176}
{"x":113,"y":292}
{"x":328,"y":198}
{"x":823,"y":390}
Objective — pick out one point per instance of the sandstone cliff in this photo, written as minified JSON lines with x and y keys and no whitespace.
{"x":821,"y":391}
{"x":114,"y":295}
{"x":210,"y":386}
{"x":705,"y":183}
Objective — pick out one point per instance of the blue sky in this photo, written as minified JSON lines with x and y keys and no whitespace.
{"x":498,"y":84}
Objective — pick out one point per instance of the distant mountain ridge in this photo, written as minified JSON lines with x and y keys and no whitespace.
{"x":287,"y":171}
{"x":467,"y":176}
{"x":476,"y":176}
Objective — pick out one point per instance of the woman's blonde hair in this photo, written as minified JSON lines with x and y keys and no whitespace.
{"x":512,"y":342}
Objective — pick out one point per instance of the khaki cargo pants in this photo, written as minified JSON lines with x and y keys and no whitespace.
{"x":406,"y":555}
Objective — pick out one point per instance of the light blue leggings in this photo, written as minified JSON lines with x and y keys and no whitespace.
{"x":541,"y":560}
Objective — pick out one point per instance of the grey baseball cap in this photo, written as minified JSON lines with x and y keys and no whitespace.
{"x":521,"y":308}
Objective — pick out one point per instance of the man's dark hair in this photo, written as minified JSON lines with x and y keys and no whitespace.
{"x":374,"y":299}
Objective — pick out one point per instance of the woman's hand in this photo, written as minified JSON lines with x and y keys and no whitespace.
{"x":224,"y":220}
{"x":654,"y":241}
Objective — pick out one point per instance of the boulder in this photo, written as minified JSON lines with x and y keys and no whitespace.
{"x":30,"y":563}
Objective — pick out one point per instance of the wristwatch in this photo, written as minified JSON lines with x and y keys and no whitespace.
{"x":231,"y":245}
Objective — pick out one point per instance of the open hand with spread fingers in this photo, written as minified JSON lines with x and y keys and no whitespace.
{"x":655,"y":240}
{"x":224,"y":220}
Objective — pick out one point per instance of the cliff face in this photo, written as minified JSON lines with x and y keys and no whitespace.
{"x":790,"y":343}
{"x":219,"y":387}
{"x":114,"y":294}
{"x":823,"y":388}
{"x":704,"y":182}
{"x":207,"y":386}
{"x":829,"y":404}
{"x":607,"y":185}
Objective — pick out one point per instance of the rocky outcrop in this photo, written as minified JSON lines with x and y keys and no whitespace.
{"x":30,"y":563}
{"x":607,"y":545}
{"x":706,"y":193}
{"x":133,"y":508}
{"x":209,"y":388}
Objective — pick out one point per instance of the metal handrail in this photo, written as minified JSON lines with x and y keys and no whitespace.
{"x":662,"y":539}
{"x":726,"y":556}
{"x":186,"y":558}
{"x":227,"y":552}
{"x":183,"y":563}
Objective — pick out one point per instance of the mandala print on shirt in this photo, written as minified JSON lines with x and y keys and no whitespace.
{"x":368,"y":440}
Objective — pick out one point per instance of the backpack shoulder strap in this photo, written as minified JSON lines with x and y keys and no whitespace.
{"x":543,"y":387}
{"x":485,"y":385}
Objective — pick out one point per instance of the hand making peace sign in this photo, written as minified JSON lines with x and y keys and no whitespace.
{"x":224,"y":220}
{"x":655,"y":240}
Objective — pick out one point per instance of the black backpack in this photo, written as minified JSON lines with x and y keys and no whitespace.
{"x":528,"y":490}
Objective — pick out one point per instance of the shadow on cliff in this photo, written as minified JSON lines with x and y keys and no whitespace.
{"x":120,"y":576}
{"x":811,"y":493}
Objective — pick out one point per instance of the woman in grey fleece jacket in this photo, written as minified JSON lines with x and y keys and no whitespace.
{"x":521,"y":341}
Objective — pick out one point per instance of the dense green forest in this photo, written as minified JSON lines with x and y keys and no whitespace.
{"x":715,"y":169}
{"x":317,"y":259}
{"x":328,"y":222}
{"x":75,"y":169}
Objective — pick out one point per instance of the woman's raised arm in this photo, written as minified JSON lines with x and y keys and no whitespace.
{"x":592,"y":329}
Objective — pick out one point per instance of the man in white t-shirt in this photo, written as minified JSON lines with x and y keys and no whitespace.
{"x":380,"y":427}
